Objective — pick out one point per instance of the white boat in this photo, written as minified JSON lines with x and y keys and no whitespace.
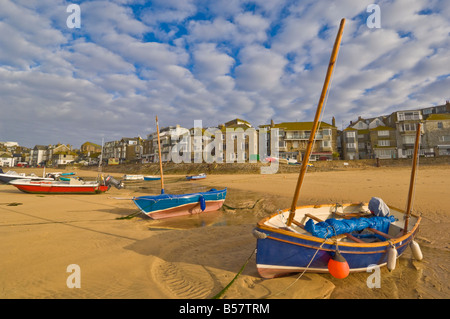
{"x":128,"y":177}
{"x":12,"y":175}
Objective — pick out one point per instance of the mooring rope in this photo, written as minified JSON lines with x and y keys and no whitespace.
{"x":309,"y":264}
{"x":221,"y":293}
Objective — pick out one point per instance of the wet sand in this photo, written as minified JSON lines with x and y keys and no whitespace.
{"x":195,"y":257}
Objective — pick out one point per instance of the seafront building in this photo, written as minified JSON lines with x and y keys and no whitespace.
{"x":393,"y":136}
{"x":383,"y":137}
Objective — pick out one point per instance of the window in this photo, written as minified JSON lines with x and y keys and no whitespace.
{"x":440,"y":125}
{"x":351,"y":145}
{"x":384,"y":143}
{"x":409,"y":139}
{"x":350,"y":134}
{"x":444,"y":138}
{"x":384,"y":153}
{"x":383,"y":133}
{"x":326,"y":144}
{"x":408,"y":127}
{"x":404,"y":116}
{"x":361,"y":145}
{"x":326,"y":132}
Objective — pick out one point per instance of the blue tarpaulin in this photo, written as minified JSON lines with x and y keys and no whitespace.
{"x":332,"y":227}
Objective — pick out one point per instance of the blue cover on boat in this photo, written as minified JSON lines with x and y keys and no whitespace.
{"x":332,"y":227}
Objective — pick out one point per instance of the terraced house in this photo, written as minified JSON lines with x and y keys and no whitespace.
{"x":393,"y":136}
{"x":294,"y":136}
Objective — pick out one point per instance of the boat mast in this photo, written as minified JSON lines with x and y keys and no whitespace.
{"x":412,"y":181}
{"x":159,"y":153}
{"x":99,"y":169}
{"x":316,"y":121}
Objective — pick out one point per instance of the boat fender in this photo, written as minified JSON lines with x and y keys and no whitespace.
{"x":258,"y":234}
{"x":392,"y":257}
{"x":338,"y":266}
{"x":415,"y":248}
{"x":202,"y":203}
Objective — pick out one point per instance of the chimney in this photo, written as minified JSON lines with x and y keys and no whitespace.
{"x":333,"y":121}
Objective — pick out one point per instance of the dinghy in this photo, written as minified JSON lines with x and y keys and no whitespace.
{"x":333,"y":238}
{"x":196,"y":177}
{"x":171,"y":205}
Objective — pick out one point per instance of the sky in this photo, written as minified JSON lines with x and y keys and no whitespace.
{"x":214,"y":61}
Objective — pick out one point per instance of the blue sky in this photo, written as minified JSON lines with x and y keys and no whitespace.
{"x":211,"y":61}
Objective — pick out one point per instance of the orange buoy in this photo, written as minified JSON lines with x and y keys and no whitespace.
{"x":338,"y":266}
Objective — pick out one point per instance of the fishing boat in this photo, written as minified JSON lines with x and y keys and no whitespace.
{"x":13,"y":175}
{"x":152,"y":178}
{"x":73,"y":186}
{"x":171,"y":205}
{"x":196,"y":177}
{"x":335,"y":238}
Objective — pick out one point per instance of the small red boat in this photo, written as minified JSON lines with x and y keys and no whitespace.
{"x":74,"y":186}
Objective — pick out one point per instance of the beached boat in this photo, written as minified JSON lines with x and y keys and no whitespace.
{"x":12,"y":175}
{"x":283,"y":249}
{"x":196,"y":177}
{"x":129,"y":177}
{"x":74,"y":186}
{"x":152,"y":178}
{"x":171,"y":205}
{"x":346,"y":238}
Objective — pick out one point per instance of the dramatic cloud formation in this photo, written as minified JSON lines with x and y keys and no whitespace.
{"x":212,"y":61}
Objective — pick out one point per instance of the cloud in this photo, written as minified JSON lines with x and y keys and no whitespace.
{"x":210,"y":60}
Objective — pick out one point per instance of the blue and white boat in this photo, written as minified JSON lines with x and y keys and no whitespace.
{"x":152,"y":178}
{"x":171,"y":205}
{"x":289,"y":241}
{"x":196,"y":177}
{"x":284,"y":249}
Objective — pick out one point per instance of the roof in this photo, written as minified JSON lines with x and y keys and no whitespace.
{"x":90,"y":143}
{"x":382,"y":128}
{"x":436,"y":117}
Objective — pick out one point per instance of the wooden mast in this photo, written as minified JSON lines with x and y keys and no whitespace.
{"x":316,"y":121}
{"x":413,"y":178}
{"x":159,"y":153}
{"x":100,"y":163}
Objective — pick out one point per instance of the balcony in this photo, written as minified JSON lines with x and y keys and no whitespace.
{"x":301,"y":136}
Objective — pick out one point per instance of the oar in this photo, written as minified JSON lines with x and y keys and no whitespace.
{"x":413,"y":178}
{"x":316,"y":121}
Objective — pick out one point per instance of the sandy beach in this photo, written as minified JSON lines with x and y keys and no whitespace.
{"x":195,"y":257}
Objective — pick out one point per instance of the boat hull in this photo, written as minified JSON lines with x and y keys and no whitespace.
{"x":282,"y":252}
{"x":152,"y":178}
{"x":196,"y":177}
{"x":52,"y":188}
{"x":166,"y":206}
